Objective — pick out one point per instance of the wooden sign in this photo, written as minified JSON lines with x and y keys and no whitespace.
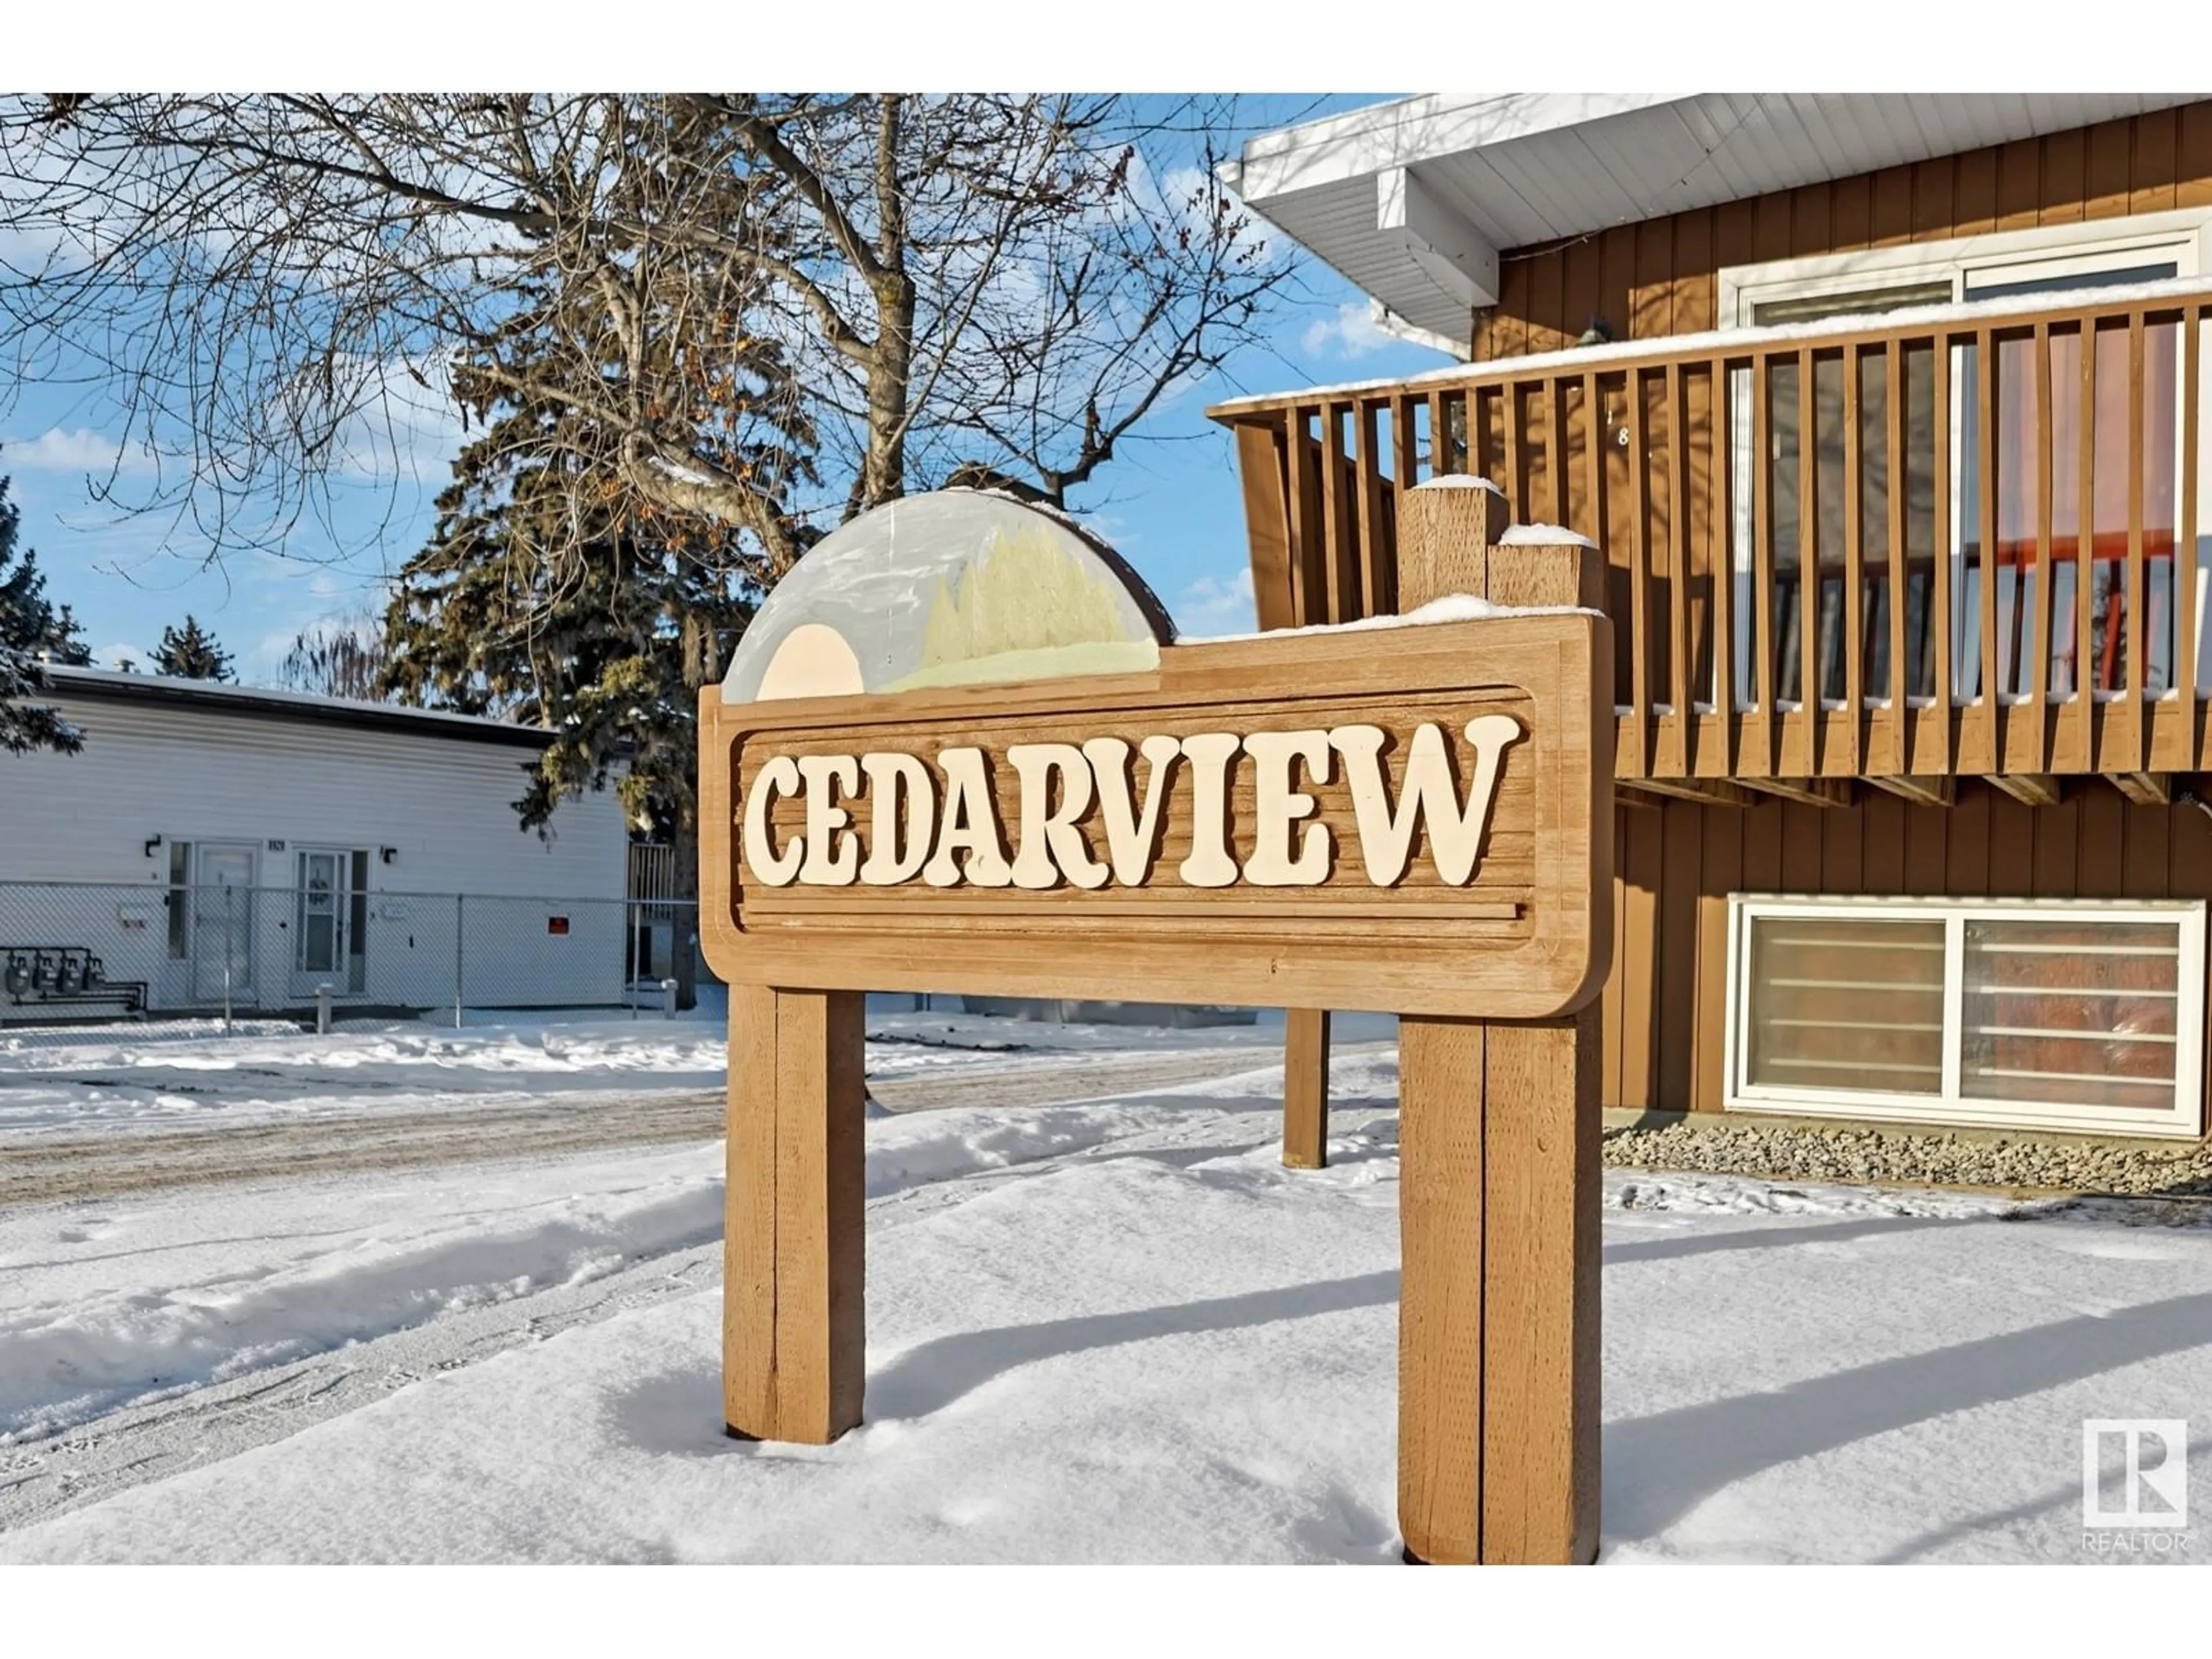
{"x":958,"y":751}
{"x":1369,"y":820}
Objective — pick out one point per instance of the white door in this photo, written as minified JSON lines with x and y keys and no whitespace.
{"x":319,"y":922}
{"x":222,"y":923}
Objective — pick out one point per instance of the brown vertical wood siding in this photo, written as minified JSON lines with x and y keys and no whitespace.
{"x":1661,"y":276}
{"x":1666,"y":1001}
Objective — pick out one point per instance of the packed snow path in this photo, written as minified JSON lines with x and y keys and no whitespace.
{"x":201,"y":1425}
{"x":52,"y":1168}
{"x":1103,"y":1331}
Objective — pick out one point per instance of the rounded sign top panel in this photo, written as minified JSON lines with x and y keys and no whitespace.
{"x":954,"y":588}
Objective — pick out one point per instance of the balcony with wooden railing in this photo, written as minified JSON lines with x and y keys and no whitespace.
{"x":1958,"y":541}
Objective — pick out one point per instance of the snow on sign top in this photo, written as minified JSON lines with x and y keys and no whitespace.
{"x":955,"y":588}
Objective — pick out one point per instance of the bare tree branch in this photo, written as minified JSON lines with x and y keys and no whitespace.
{"x":767,"y":312}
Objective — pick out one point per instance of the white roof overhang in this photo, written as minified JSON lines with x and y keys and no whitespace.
{"x":1412,"y":201}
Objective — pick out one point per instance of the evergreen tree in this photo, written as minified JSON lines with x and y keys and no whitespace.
{"x":544,"y":599}
{"x":191,"y":652}
{"x":32,"y":632}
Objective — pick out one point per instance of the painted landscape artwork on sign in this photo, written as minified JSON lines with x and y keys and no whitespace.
{"x":947,"y":589}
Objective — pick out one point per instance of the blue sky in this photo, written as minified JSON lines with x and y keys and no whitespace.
{"x":1170,"y":503}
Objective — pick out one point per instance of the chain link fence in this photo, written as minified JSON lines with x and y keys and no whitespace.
{"x":72,"y":951}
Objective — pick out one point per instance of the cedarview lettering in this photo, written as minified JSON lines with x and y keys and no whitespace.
{"x":884,"y":819}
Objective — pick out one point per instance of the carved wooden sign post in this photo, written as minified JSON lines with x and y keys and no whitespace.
{"x":958,"y":751}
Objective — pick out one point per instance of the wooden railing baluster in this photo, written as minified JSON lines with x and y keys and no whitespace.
{"x":2045,"y":442}
{"x":1639,"y":574}
{"x":1556,"y":450}
{"x":1985,"y":447}
{"x":1722,"y":537}
{"x":1678,"y":573}
{"x":1404,"y":444}
{"x":1767,"y":651}
{"x":2085,"y":565}
{"x":1801,"y":750}
{"x":2134,"y":727}
{"x":1322,"y":504}
{"x":1306,"y":525}
{"x":1476,"y":441}
{"x":1261,"y":461}
{"x":1899,"y":684}
{"x":1940,"y":550}
{"x":2185,"y":540}
{"x":1374,"y":557}
{"x":1337,"y":602}
{"x":1517,"y":495}
{"x":1854,"y":646}
{"x":1594,"y":457}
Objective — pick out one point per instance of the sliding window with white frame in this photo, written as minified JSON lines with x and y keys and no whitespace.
{"x":1995,"y":266}
{"x":2052,"y":1014}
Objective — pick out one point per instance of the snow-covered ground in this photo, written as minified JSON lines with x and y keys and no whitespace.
{"x":184,"y":1074}
{"x":1111,"y":1330}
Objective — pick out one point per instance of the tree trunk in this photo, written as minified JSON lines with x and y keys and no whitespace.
{"x":685,"y":932}
{"x":891,"y":375}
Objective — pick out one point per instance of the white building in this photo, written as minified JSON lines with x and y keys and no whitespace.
{"x":218,"y":843}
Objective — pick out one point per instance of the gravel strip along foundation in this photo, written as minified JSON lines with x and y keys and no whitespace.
{"x":1916,"y":1158}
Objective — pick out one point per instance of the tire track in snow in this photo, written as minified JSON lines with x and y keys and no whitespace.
{"x":43,"y":1167}
{"x":156,"y":1439}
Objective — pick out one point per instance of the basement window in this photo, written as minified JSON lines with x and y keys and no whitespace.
{"x":2050,"y":1014}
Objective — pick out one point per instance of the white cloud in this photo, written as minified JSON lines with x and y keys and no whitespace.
{"x":1352,"y":332}
{"x":399,"y":420}
{"x":113,"y":656}
{"x":259,"y":661}
{"x":1216,"y":599}
{"x":79,"y":449}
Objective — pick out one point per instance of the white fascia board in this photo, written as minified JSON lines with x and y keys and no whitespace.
{"x":1455,"y":256}
{"x":1399,"y":329}
{"x":1405,"y":131}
